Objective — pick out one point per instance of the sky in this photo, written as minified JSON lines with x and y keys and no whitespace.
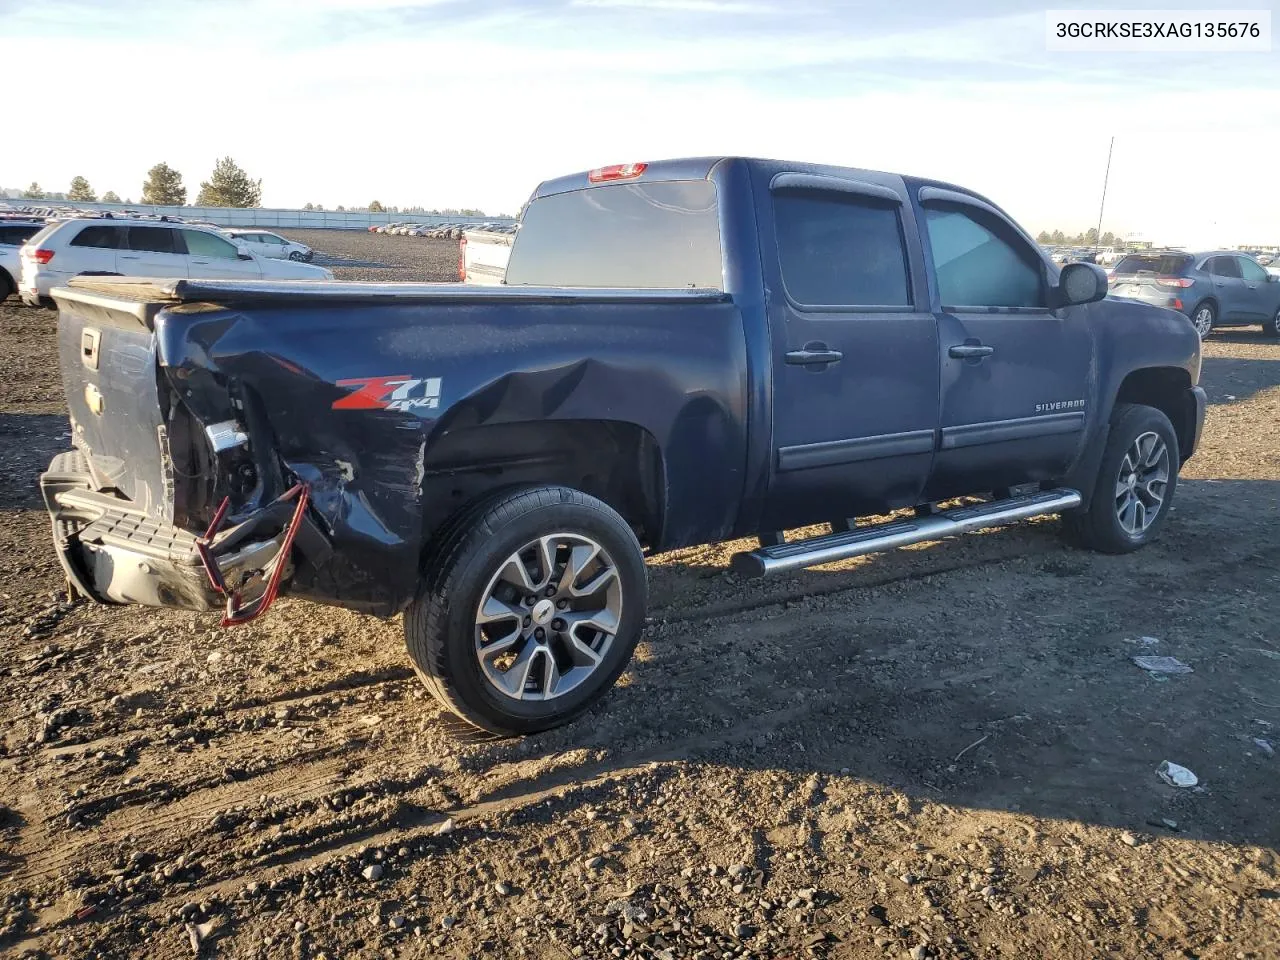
{"x":471,"y":103}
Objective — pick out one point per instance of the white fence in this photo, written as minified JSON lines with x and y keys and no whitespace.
{"x":270,"y":217}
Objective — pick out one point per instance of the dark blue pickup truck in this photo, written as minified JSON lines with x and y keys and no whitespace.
{"x":683,"y":352}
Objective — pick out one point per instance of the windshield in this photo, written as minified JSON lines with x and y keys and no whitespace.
{"x":659,"y":235}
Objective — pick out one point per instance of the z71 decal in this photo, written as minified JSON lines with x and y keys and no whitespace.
{"x":390,"y":393}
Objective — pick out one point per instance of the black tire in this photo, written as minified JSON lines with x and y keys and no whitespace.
{"x":1100,"y":528}
{"x":297,"y":256}
{"x":440,"y":624}
{"x":1203,"y":316}
{"x":1271,"y":328}
{"x":7,"y":286}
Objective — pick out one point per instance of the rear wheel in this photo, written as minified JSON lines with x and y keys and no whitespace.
{"x":1203,"y":317}
{"x":1135,"y":485}
{"x":7,"y":286}
{"x":529,"y":610}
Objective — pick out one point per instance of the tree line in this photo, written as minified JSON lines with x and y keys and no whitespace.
{"x":1087,"y":239}
{"x":228,"y":186}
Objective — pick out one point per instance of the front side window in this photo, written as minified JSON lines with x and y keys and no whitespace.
{"x":201,"y":244}
{"x":977,"y":266}
{"x":153,"y":240}
{"x":107,"y":238}
{"x":839,"y":249}
{"x":1250,"y":270}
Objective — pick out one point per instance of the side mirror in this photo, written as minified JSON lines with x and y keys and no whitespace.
{"x":1273,"y":278}
{"x":1080,"y":283}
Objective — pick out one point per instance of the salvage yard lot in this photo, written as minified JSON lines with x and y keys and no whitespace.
{"x":945,"y":748}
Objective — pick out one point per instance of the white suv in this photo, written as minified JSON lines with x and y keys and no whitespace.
{"x":143,"y":248}
{"x":13,"y":234}
{"x":267,"y":244}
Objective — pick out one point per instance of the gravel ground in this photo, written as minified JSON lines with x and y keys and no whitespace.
{"x":358,"y":255}
{"x":941,"y":752}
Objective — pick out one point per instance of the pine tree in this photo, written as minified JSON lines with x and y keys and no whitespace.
{"x":229,"y":186}
{"x":164,"y":187}
{"x":81,"y":191}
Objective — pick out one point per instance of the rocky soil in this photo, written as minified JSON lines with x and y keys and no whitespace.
{"x":944,"y":752}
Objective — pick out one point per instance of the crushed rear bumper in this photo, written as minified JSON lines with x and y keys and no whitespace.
{"x":114,"y":553}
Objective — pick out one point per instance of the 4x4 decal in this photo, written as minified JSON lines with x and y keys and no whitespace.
{"x":399,"y":392}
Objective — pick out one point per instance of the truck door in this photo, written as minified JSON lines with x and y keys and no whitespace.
{"x":855,"y":380}
{"x":1014,"y":374}
{"x":1228,"y":287}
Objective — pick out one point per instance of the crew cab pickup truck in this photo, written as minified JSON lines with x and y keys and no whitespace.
{"x":683,"y":352}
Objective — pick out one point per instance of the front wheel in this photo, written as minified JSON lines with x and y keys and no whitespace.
{"x":296,"y":256}
{"x":1272,"y":327}
{"x":1136,"y":481}
{"x":1203,"y":317}
{"x":529,"y":610}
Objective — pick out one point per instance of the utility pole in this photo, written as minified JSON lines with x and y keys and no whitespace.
{"x":1097,"y":240}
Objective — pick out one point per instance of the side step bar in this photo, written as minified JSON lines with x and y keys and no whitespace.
{"x":785,"y":557}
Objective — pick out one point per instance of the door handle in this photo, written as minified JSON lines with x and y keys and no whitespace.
{"x":967,"y":351}
{"x":813,"y":354}
{"x":127,"y":256}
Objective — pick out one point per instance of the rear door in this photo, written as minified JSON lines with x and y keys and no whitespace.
{"x":94,"y":249}
{"x":1229,"y":289}
{"x":855,"y":383}
{"x":211,"y":257}
{"x":1261,"y":297}
{"x":153,"y":252}
{"x":1014,"y":374}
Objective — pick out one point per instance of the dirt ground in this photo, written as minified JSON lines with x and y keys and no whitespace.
{"x":942,"y":752}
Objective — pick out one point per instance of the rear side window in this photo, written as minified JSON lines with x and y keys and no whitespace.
{"x":103,"y":237}
{"x":44,"y":232}
{"x":840,"y":250}
{"x":657,"y":235}
{"x":154,"y":240}
{"x":16,"y":235}
{"x":1165,"y":264}
{"x":201,"y":244}
{"x":1225,"y":267}
{"x":977,"y":266}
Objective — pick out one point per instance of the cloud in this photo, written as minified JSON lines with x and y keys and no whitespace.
{"x":462,"y":104}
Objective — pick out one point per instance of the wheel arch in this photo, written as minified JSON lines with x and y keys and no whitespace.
{"x":1168,"y":389}
{"x":615,"y":461}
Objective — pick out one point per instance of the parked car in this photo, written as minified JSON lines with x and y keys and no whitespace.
{"x":14,"y":232}
{"x":142,"y":248}
{"x":483,"y":256}
{"x":684,"y":352}
{"x":1219,"y":288}
{"x":268,"y":244}
{"x":388,"y":227}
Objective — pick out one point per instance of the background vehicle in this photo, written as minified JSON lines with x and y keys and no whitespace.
{"x":267,"y":244}
{"x":1215,"y":289}
{"x":141,"y":248}
{"x":483,"y":255}
{"x":683,"y":352}
{"x":14,"y":233}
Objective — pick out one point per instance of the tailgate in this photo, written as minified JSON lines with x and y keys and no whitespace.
{"x":108,"y":360}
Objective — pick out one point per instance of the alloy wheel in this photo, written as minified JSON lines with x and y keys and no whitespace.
{"x":1142,"y":483}
{"x":548,"y":617}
